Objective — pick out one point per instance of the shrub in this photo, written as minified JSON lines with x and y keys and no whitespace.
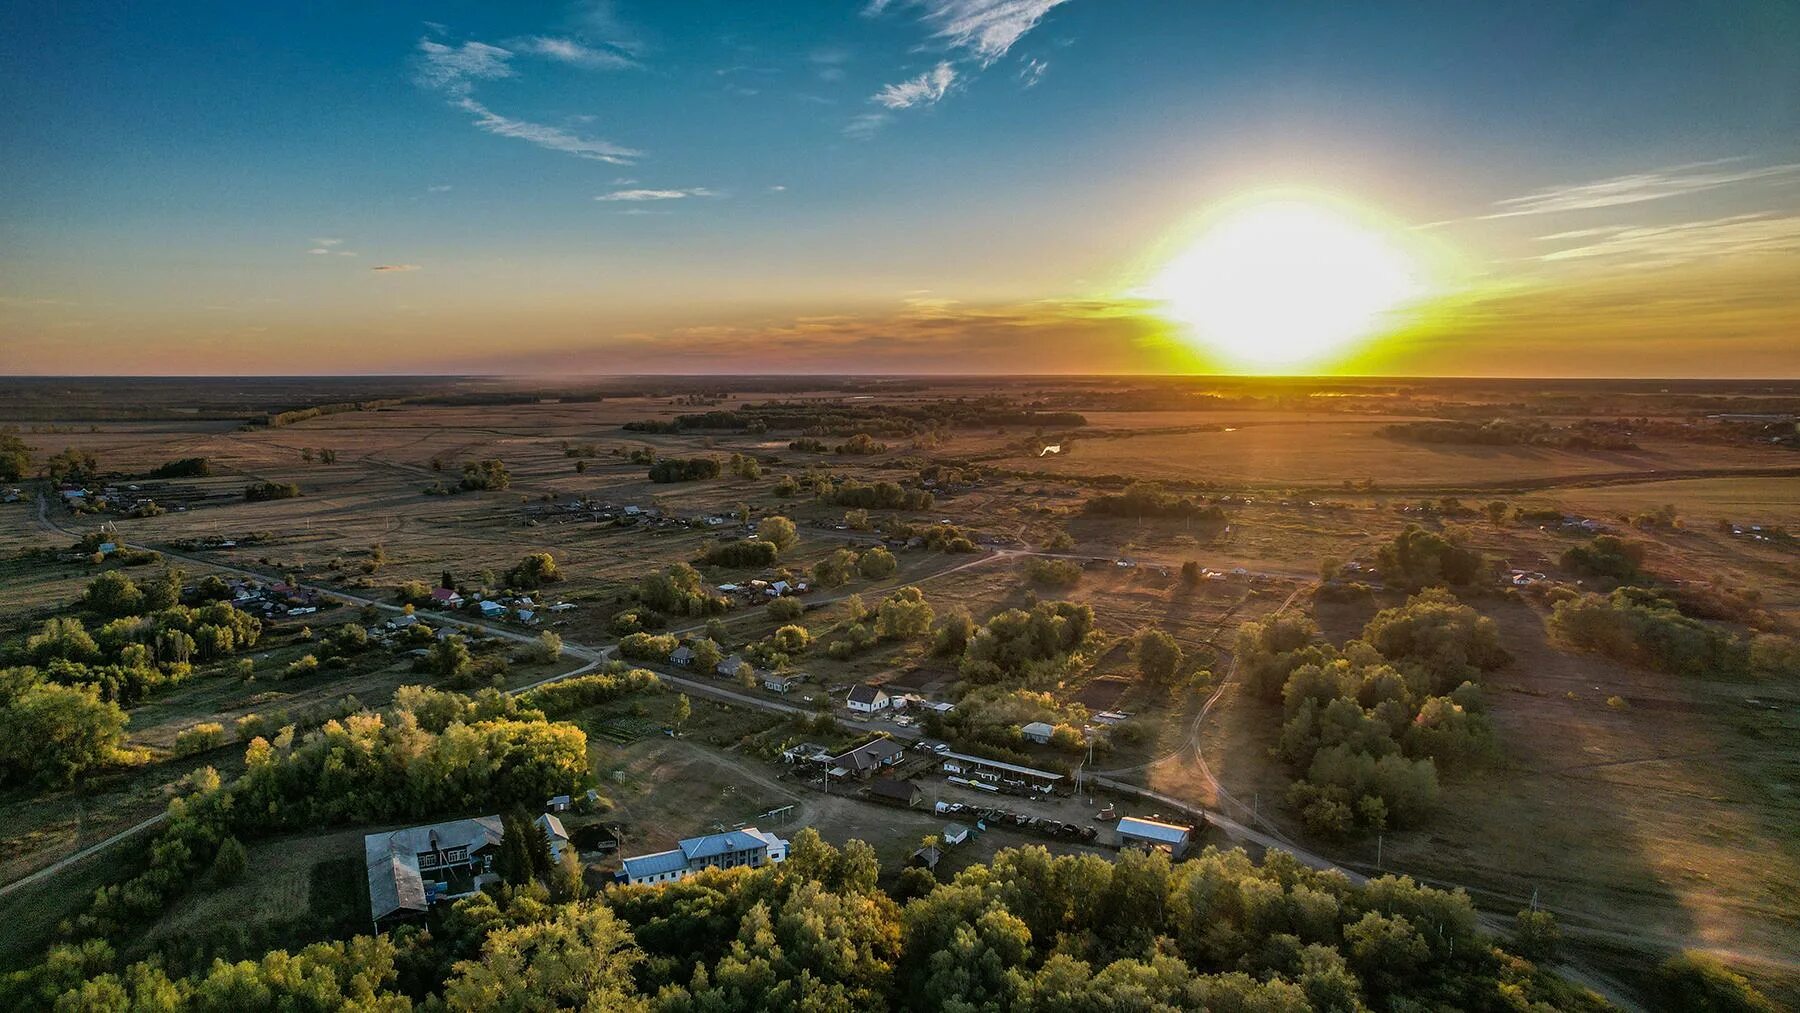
{"x":199,"y":738}
{"x":258,"y":492}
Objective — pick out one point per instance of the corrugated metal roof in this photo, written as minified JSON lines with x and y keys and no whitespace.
{"x":1151,"y":830}
{"x":713,"y":845}
{"x":673,"y":860}
{"x":392,"y":859}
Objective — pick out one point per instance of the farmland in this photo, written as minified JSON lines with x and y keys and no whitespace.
{"x":1650,"y":812}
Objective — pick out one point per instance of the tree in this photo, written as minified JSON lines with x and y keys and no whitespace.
{"x":113,"y":594}
{"x":1496,"y":512}
{"x":682,"y":712}
{"x":1156,"y":655}
{"x":229,"y":862}
{"x":953,"y":633}
{"x":546,"y":648}
{"x":51,"y":733}
{"x":778,"y":531}
{"x":903,"y":615}
{"x":534,"y":571}
{"x":786,"y":609}
{"x":836,"y":569}
{"x":580,"y":958}
{"x":707,"y":654}
{"x":1536,"y":935}
{"x":877,"y":563}
{"x":15,"y":456}
{"x":490,"y":474}
{"x":792,"y":639}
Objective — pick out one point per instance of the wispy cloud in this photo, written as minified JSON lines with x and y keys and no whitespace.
{"x":987,"y":29}
{"x":974,"y":32}
{"x":865,"y":125}
{"x":1639,"y":187}
{"x":328,"y":247}
{"x":573,"y":52}
{"x":391,"y":268}
{"x":1645,"y":246}
{"x":454,"y":71}
{"x":925,"y":89}
{"x":438,"y":188}
{"x":546,"y":136}
{"x":328,"y":242}
{"x":1032,"y":71}
{"x":646,"y":195}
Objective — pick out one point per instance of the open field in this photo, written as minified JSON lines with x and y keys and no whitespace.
{"x":1659,"y":821}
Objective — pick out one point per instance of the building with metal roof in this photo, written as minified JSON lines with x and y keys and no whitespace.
{"x":412,"y":868}
{"x":1154,"y":835}
{"x":732,"y":849}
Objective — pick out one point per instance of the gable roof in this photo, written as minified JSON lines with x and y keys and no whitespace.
{"x":392,"y":859}
{"x":714,"y":845}
{"x":1038,"y":728}
{"x":899,"y":791}
{"x":865,"y":693}
{"x":869,"y":755}
{"x":657,"y":864}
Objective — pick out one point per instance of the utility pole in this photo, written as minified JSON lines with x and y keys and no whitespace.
{"x":1377,"y":851}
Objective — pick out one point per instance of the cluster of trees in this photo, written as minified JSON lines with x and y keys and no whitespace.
{"x":51,"y":732}
{"x":533,"y":571}
{"x":1419,"y":558}
{"x":258,"y":492}
{"x":879,"y":496}
{"x":815,"y":418}
{"x":1054,"y":573}
{"x":1033,"y":649}
{"x":684,"y":469}
{"x":1367,"y":726}
{"x":904,"y":614}
{"x":744,"y":466}
{"x":186,"y":467}
{"x":1029,"y":931}
{"x":679,"y":590}
{"x":1585,"y":435}
{"x":487,"y":475}
{"x":1607,"y":556}
{"x":72,"y":465}
{"x":15,"y":456}
{"x":567,"y":696}
{"x":364,"y":768}
{"x":1639,"y":626}
{"x":1148,"y":499}
{"x":937,"y":537}
{"x":843,"y":565}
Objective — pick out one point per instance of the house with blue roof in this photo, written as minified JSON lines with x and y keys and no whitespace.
{"x":733,"y":849}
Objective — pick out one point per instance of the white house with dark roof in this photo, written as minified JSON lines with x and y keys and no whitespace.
{"x":734,"y":849}
{"x":867,"y":699}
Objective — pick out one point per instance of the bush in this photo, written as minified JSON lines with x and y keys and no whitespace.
{"x":489,"y":475}
{"x":258,"y":492}
{"x":1419,"y":558}
{"x":199,"y":738}
{"x":1606,"y":556}
{"x":877,"y":564}
{"x":778,"y":531}
{"x":1697,"y":982}
{"x":749,"y":552}
{"x":187,"y":467}
{"x":1053,"y":573}
{"x":646,"y":646}
{"x":784,"y":610}
{"x":684,"y":469}
{"x":792,"y":639}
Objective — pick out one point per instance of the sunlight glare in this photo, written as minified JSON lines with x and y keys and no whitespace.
{"x":1286,"y":282}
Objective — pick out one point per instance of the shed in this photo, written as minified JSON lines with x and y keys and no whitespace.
{"x":896,"y":792}
{"x":1038,"y":731}
{"x":1154,"y":835}
{"x":955,"y":833}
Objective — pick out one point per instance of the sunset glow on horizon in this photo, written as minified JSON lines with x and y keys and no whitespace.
{"x":923,"y":186}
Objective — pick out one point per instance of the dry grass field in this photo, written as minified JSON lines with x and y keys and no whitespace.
{"x":1662,"y":820}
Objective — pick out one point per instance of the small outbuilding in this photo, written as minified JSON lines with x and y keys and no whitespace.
{"x":896,"y":792}
{"x":1154,"y":835}
{"x":1038,"y":732}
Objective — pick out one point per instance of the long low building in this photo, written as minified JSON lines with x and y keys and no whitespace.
{"x":1154,"y":835}
{"x":1000,"y":772}
{"x":733,"y":849}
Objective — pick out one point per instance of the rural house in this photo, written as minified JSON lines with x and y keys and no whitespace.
{"x":1038,"y":732}
{"x":683,"y":656}
{"x":411,"y":869}
{"x":730,"y":850}
{"x":867,"y":699}
{"x":781,"y":682}
{"x":867,"y":758}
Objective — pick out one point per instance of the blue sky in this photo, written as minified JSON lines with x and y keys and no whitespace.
{"x":169,"y":168}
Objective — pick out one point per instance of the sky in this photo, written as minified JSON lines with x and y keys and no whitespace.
{"x":896,"y":186}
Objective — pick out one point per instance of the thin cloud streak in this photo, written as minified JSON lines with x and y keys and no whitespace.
{"x":1684,"y":242}
{"x":546,"y":136}
{"x":1637,"y":188}
{"x":644,"y":195}
{"x":573,"y":52}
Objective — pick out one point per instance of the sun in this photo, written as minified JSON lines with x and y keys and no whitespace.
{"x":1282,"y":282}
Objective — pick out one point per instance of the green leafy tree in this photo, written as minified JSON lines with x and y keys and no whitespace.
{"x":778,"y":531}
{"x":1156,"y":655}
